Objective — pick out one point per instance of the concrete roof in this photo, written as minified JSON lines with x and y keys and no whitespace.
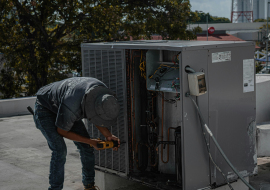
{"x":25,"y":158}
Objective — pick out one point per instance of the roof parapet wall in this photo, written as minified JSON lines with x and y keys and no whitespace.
{"x":16,"y":106}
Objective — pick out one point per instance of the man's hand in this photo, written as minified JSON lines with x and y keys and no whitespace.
{"x":109,"y":137}
{"x":114,"y":138}
{"x":93,"y":142}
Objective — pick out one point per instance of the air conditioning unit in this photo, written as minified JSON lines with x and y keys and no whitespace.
{"x":165,"y":145}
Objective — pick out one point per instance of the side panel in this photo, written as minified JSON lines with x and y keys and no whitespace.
{"x":109,"y":67}
{"x":195,"y":160}
{"x":232,"y":113}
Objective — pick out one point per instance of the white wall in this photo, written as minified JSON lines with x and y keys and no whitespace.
{"x":230,"y":26}
{"x":247,"y":36}
{"x":262,"y":98}
{"x":16,"y":106}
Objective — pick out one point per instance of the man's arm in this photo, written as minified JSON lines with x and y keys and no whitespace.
{"x":108,"y":135}
{"x":75,"y":137}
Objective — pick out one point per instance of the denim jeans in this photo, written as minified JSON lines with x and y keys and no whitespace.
{"x":45,"y":122}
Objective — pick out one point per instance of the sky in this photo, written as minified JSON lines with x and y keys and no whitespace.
{"x":220,"y":8}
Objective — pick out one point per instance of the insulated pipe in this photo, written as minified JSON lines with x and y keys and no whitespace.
{"x":189,"y":70}
{"x":217,"y":145}
{"x":160,"y":55}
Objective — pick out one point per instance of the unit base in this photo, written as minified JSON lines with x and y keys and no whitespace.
{"x":238,"y":185}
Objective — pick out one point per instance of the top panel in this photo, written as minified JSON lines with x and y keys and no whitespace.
{"x":165,"y":44}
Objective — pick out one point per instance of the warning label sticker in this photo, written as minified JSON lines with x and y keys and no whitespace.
{"x":221,"y":56}
{"x":248,"y":75}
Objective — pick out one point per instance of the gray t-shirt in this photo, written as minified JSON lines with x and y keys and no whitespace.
{"x":64,"y":98}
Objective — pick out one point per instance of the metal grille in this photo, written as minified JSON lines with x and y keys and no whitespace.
{"x":107,"y":66}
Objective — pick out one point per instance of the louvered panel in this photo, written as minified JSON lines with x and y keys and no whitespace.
{"x":92,"y":66}
{"x":107,"y":66}
{"x":86,"y":64}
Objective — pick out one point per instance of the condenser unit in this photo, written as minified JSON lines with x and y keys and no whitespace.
{"x":165,"y":145}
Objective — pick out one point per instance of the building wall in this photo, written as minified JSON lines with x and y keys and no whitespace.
{"x":260,"y":9}
{"x":230,"y":26}
{"x":247,"y":36}
{"x":243,"y":5}
{"x":16,"y":106}
{"x":244,"y":31}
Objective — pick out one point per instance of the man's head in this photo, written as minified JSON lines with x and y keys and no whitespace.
{"x":101,"y":106}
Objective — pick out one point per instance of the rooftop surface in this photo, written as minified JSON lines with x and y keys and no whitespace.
{"x":25,"y":159}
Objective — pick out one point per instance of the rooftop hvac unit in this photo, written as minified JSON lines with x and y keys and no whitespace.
{"x":165,"y":145}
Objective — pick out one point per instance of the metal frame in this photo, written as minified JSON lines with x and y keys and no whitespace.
{"x":187,"y":48}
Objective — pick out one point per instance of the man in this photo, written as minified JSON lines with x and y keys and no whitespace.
{"x":59,"y":110}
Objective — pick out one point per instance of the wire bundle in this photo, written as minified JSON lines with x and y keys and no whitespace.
{"x":142,"y":66}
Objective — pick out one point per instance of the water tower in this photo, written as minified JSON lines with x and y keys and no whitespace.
{"x":242,"y":11}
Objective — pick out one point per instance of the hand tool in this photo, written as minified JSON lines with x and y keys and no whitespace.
{"x":30,"y":110}
{"x":108,"y":144}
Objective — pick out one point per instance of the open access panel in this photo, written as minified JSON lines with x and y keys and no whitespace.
{"x":165,"y":146}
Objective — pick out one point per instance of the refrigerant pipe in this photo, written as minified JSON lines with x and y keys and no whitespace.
{"x":217,"y":145}
{"x":162,"y":123}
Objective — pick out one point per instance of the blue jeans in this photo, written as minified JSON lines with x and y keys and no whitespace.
{"x":45,"y":122}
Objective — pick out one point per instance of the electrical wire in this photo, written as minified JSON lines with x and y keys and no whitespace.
{"x":217,"y":145}
{"x":209,"y":154}
{"x":177,"y":55}
{"x":142,"y":66}
{"x":160,"y":67}
{"x":171,"y":101}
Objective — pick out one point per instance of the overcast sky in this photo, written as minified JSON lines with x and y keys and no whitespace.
{"x":220,"y":8}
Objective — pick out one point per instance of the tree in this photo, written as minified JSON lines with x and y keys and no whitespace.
{"x":11,"y":83}
{"x":41,"y":38}
{"x":260,"y":20}
{"x":211,"y":19}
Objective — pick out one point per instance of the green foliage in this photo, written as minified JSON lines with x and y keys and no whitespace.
{"x":259,"y":66}
{"x":264,"y":27}
{"x":41,"y":39}
{"x":260,"y":20}
{"x":211,"y":19}
{"x":10,"y":85}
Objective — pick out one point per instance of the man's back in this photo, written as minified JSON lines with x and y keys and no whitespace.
{"x":64,"y":98}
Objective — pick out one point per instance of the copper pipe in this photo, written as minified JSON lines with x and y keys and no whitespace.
{"x":133,"y":91}
{"x":156,"y":162}
{"x":153,"y":119}
{"x":132,"y":79}
{"x":162,"y":124}
{"x":131,"y":108}
{"x":149,"y":149}
{"x":168,"y":147}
